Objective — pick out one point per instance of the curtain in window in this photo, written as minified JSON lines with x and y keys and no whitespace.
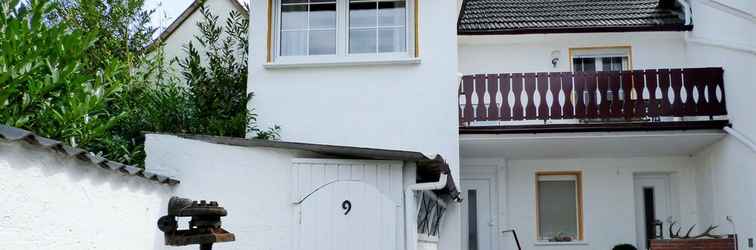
{"x":557,"y":211}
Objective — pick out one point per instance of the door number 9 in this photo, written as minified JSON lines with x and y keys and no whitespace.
{"x":347,"y":206}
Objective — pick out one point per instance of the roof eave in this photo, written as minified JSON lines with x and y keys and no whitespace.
{"x":557,"y":30}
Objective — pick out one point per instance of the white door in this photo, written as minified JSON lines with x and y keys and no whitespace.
{"x":347,"y":204}
{"x":478,"y":226}
{"x":348,"y":215}
{"x":652,"y":203}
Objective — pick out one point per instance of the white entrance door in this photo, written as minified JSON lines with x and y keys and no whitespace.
{"x":652,"y":204}
{"x":477,"y":215}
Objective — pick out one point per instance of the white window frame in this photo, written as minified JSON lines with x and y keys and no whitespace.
{"x":599,"y":53}
{"x":342,"y":43}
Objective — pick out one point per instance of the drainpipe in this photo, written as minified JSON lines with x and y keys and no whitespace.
{"x":741,"y":137}
{"x":411,"y":209}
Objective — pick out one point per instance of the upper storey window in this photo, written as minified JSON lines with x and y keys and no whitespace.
{"x":312,"y":30}
{"x":308,"y":27}
{"x":377,"y":26}
{"x":600,"y":59}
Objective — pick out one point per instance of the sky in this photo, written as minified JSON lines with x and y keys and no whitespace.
{"x":166,"y":11}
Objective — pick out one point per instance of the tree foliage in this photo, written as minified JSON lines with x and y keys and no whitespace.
{"x":43,"y":84}
{"x":77,"y":71}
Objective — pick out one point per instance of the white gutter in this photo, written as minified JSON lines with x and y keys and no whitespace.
{"x":741,"y":137}
{"x":411,"y":209}
{"x":441,"y":183}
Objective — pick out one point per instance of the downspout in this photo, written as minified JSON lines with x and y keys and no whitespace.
{"x":411,"y":209}
{"x":741,"y":138}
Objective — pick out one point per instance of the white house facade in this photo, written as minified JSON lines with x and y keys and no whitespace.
{"x":380,"y":74}
{"x":440,"y":125}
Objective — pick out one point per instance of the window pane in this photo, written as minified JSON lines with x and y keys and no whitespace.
{"x":606,"y":64}
{"x":293,"y":1}
{"x":363,"y":15}
{"x":322,"y":42}
{"x":577,"y":64}
{"x":294,"y":43}
{"x":362,"y":41}
{"x":293,"y":17}
{"x":589,"y":64}
{"x":391,"y":13}
{"x":557,"y":211}
{"x":391,"y":40}
{"x":322,"y":16}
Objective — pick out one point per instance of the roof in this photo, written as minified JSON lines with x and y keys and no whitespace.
{"x":429,"y":168}
{"x":196,"y":4}
{"x":483,"y":17}
{"x":19,"y":135}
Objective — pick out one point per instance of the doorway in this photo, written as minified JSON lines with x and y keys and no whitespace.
{"x":652,"y":206}
{"x":478,"y":226}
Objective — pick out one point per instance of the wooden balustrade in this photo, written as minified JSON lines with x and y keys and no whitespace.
{"x":610,"y":95}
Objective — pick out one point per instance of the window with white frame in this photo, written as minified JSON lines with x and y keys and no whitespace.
{"x":342,"y":28}
{"x":600,"y":59}
{"x":559,"y":206}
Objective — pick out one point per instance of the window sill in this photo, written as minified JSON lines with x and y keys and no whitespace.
{"x":343,"y":63}
{"x":569,"y":243}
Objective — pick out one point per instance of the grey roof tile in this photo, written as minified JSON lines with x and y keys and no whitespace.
{"x":560,"y":16}
{"x":12,"y":134}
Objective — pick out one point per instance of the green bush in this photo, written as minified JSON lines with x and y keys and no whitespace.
{"x":43,"y":84}
{"x":75,"y":70}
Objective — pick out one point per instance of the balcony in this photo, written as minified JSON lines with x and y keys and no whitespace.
{"x":651,"y":99}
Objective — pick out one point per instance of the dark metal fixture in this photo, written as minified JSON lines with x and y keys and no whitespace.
{"x":204,"y":228}
{"x":514,"y":233}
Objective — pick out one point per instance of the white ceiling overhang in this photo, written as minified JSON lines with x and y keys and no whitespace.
{"x":587,"y":145}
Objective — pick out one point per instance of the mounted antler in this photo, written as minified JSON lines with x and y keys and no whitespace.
{"x":687,"y":235}
{"x":708,"y":233}
{"x":673,"y":235}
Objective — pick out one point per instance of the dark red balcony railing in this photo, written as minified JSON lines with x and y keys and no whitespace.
{"x":613,"y":95}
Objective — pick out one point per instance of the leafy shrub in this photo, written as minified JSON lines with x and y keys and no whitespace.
{"x":43,"y":86}
{"x":65,"y":75}
{"x":217,"y":78}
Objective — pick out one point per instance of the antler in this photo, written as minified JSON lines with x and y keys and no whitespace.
{"x":687,"y":235}
{"x":671,"y":234}
{"x":708,"y":233}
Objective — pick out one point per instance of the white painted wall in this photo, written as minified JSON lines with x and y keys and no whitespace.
{"x":608,"y":194}
{"x":533,"y":53}
{"x":257,"y":186}
{"x":187,"y":30}
{"x":251,"y":183}
{"x":725,"y":183}
{"x":52,"y":201}
{"x":724,"y":36}
{"x":409,"y":107}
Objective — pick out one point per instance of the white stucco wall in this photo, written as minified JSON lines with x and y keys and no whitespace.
{"x":251,"y":183}
{"x":188,"y":29}
{"x":52,"y":201}
{"x":608,"y":195}
{"x":533,"y":53}
{"x":724,"y":36}
{"x":725,"y":183}
{"x":408,"y":107}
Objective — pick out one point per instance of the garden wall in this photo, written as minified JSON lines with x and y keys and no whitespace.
{"x":50,"y":200}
